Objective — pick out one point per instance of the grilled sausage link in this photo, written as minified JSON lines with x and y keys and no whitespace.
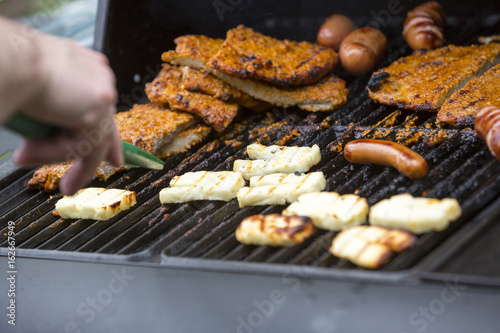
{"x":487,"y":126}
{"x":362,"y":50}
{"x":334,"y":30}
{"x":423,"y":27}
{"x":388,"y":153}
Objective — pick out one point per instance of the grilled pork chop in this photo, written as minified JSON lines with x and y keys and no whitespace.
{"x":166,"y":89}
{"x":198,"y":81}
{"x":251,"y":55}
{"x":463,"y":105}
{"x":425,"y":80}
{"x":195,"y":51}
{"x":158,"y":131}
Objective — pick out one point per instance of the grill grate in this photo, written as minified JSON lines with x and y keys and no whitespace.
{"x":460,"y":166}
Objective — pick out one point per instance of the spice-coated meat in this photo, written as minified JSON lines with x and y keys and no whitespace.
{"x":326,"y":95}
{"x":425,"y":80}
{"x":166,"y":89}
{"x":205,"y":83}
{"x":246,"y":53}
{"x":463,"y":105}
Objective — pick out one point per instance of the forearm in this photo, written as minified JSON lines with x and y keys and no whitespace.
{"x":21,"y":70}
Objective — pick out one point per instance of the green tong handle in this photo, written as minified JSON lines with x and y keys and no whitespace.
{"x":29,"y":128}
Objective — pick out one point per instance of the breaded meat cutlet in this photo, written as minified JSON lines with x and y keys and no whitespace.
{"x":463,"y":105}
{"x":328,"y":94}
{"x":248,"y":54}
{"x":425,"y":80}
{"x":166,"y":90}
{"x":197,"y":81}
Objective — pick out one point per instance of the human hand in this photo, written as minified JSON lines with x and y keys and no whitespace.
{"x":77,"y":93}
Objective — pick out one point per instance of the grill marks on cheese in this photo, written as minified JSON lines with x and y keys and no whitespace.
{"x":370,"y":246}
{"x":202,"y":185}
{"x":277,"y":159}
{"x":95,"y":203}
{"x":425,"y":80}
{"x":329,"y":210}
{"x":196,"y":51}
{"x":279,"y":189}
{"x":417,"y":215}
{"x":274,"y":230}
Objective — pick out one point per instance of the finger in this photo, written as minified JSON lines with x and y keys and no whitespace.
{"x":83,"y":170}
{"x":115,"y":153}
{"x":76,"y":178}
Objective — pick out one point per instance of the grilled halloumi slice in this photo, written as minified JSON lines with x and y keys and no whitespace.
{"x":277,"y":159}
{"x":203,"y":185}
{"x":95,"y":203}
{"x":329,"y":210}
{"x":370,"y":246}
{"x":417,"y":215}
{"x":279,"y":193}
{"x":274,"y":230}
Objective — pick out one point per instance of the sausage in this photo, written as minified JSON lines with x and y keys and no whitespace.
{"x":487,"y":126}
{"x":362,"y":50}
{"x":334,"y":30}
{"x":388,"y":153}
{"x":423,"y":27}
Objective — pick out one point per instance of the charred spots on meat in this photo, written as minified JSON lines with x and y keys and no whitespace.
{"x":376,"y":80}
{"x":467,"y":121}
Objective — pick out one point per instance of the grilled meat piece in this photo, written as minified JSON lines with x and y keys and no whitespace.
{"x":425,"y":80}
{"x":251,"y":55}
{"x":151,"y":127}
{"x":463,"y":105}
{"x":166,"y":90}
{"x":158,"y":131}
{"x":194,"y":51}
{"x":196,"y":81}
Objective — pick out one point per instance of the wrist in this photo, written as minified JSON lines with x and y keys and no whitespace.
{"x":21,"y":66}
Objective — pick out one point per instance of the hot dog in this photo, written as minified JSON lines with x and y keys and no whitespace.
{"x":334,"y":30}
{"x":388,"y":153}
{"x":423,"y":27}
{"x":487,"y":126}
{"x":362,"y":50}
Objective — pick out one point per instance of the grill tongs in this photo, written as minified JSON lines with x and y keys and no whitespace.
{"x":134,"y":156}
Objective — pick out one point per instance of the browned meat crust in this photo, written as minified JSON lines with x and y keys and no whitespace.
{"x":463,"y":105}
{"x":326,"y":95}
{"x":150,"y":126}
{"x":202,"y":82}
{"x":158,"y":131}
{"x":166,"y":90}
{"x":425,"y":80}
{"x":249,"y":54}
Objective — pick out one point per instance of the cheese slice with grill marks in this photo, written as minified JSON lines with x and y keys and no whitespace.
{"x":329,"y":210}
{"x":279,"y":189}
{"x":203,"y":185}
{"x":417,"y":215}
{"x":95,"y":203}
{"x":370,"y":246}
{"x":277,"y":159}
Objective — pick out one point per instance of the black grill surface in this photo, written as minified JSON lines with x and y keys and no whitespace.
{"x":460,"y":166}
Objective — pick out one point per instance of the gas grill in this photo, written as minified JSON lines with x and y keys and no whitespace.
{"x":193,"y":241}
